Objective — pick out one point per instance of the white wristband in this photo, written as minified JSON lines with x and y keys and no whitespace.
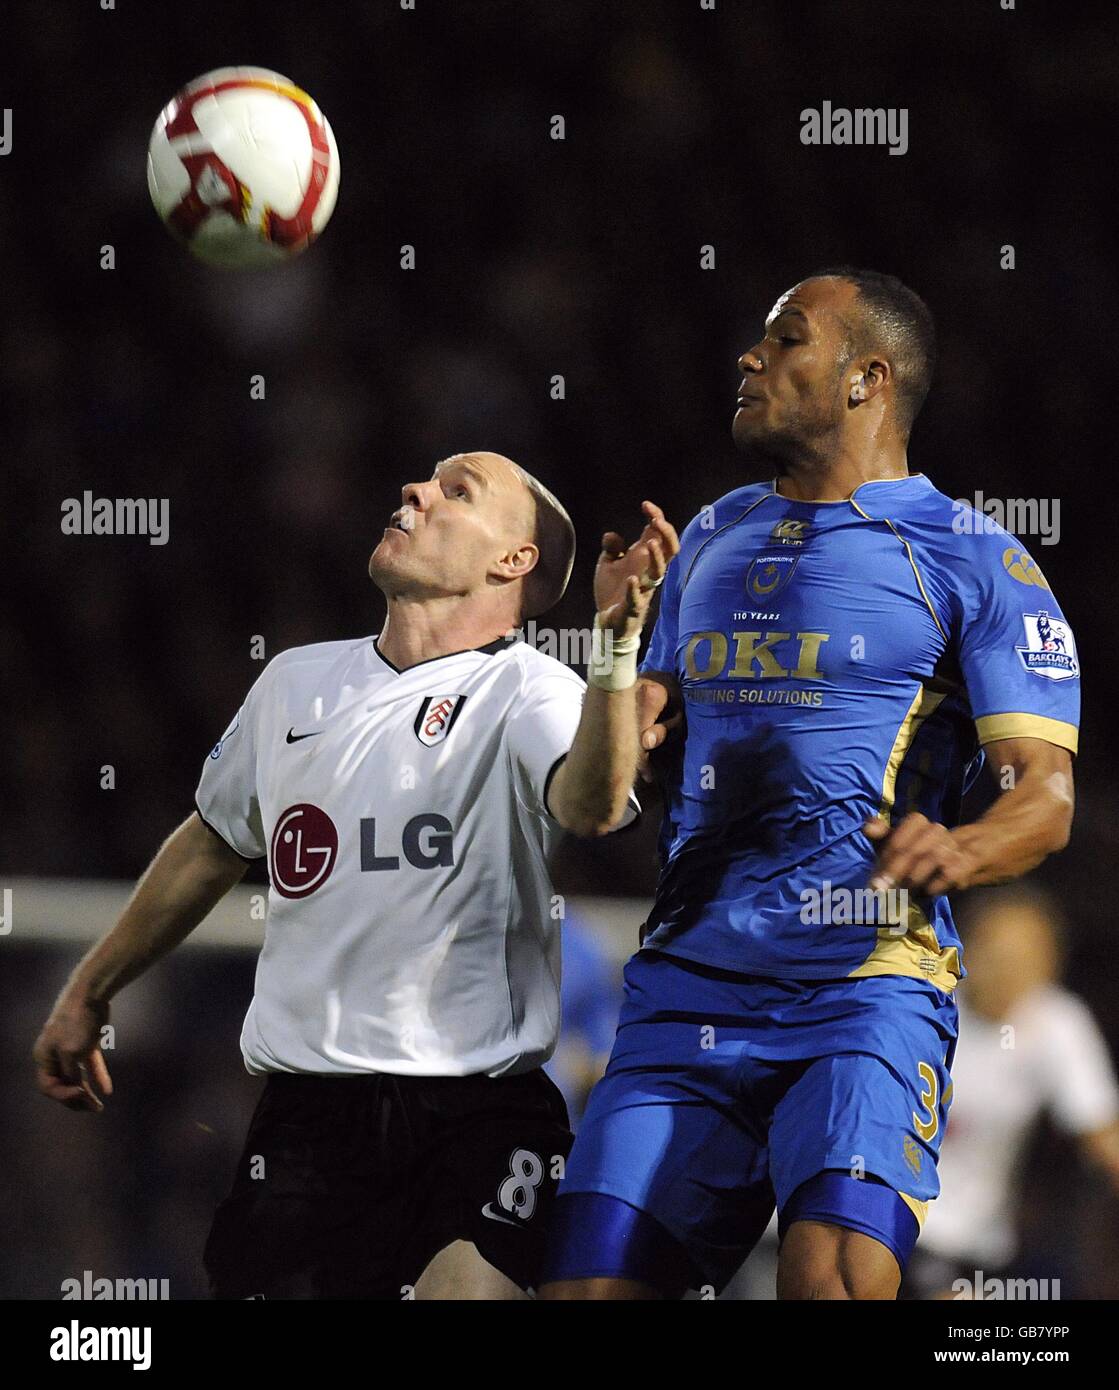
{"x":613,"y":663}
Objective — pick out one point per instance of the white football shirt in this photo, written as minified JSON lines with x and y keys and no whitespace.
{"x":1049,"y":1055}
{"x":411,"y":926}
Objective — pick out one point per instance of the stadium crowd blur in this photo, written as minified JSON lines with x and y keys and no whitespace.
{"x":534,"y":258}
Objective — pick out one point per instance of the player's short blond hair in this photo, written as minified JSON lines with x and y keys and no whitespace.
{"x":554,"y":538}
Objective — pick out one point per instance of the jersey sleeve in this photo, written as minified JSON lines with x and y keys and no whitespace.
{"x":1017,"y":652}
{"x":1082,"y":1094}
{"x":227,"y":790}
{"x":661,"y":652}
{"x":540,"y":734}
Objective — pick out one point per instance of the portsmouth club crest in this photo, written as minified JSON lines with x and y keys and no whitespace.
{"x":773,"y":569}
{"x":1050,"y":650}
{"x":436,"y":718}
{"x":769,"y":573}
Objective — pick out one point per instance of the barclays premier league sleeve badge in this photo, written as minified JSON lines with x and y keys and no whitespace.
{"x":215,"y":752}
{"x":1050,"y":650}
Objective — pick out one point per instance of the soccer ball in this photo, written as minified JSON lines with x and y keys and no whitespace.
{"x":243,"y":168}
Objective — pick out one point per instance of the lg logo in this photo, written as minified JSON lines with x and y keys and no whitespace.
{"x":426,"y":841}
{"x":304,"y":848}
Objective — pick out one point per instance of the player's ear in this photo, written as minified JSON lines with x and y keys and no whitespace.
{"x":517,"y":564}
{"x":863,"y":385}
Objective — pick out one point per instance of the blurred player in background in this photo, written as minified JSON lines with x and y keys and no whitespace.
{"x":405,"y":791}
{"x":836,"y":649}
{"x":590,"y":998}
{"x":1027,"y":1047}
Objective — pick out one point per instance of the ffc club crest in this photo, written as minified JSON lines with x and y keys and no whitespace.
{"x":436,"y":718}
{"x":1050,"y":650}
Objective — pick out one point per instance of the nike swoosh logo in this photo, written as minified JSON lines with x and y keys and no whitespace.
{"x":293,"y":737}
{"x":488,"y":1210}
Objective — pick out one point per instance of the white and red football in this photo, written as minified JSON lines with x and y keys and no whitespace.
{"x":243,"y":168}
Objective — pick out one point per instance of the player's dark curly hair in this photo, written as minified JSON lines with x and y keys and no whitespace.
{"x":897,"y":322}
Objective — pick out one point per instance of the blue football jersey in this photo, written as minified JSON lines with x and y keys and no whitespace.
{"x":839,"y":660}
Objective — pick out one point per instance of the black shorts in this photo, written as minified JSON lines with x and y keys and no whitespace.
{"x":348,"y":1185}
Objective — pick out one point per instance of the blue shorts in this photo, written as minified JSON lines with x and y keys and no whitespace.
{"x":728,"y":1094}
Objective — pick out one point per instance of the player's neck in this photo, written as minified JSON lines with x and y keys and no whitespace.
{"x":994,"y":1008}
{"x":418,"y":630}
{"x":835,"y":478}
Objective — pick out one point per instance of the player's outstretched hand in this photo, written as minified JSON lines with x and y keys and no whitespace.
{"x":918,"y":855}
{"x":68,"y":1057}
{"x":625,"y":578}
{"x":660,"y":719}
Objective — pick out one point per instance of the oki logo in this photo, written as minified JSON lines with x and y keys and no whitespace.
{"x":757,"y":656}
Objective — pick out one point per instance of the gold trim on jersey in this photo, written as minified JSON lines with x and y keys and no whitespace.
{"x":991,"y":727}
{"x":912,"y":562}
{"x":925,"y":702}
{"x":725,"y":527}
{"x":919,"y":1209}
{"x":842,"y":501}
{"x":916,"y":953}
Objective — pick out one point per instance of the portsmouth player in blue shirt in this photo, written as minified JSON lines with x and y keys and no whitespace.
{"x":838,"y":650}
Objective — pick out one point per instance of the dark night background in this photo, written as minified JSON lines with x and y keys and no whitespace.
{"x":534,"y":257}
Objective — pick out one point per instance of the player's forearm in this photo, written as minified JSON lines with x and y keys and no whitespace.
{"x":590,"y":791}
{"x":191,"y":872}
{"x":1021,"y":829}
{"x":1028,"y":822}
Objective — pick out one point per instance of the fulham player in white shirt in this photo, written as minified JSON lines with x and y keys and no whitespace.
{"x":406,"y":791}
{"x":1028,"y":1046}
